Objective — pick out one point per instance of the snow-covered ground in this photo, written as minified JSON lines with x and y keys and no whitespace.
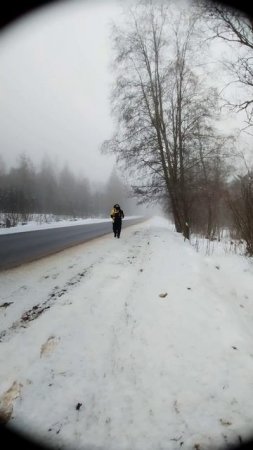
{"x":138,"y":343}
{"x":222,"y":246}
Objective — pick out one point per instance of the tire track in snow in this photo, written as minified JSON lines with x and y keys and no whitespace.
{"x":35,"y":312}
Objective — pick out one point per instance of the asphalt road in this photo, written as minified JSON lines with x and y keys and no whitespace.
{"x":19,"y":248}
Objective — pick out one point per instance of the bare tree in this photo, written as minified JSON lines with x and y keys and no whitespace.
{"x":236,"y":29}
{"x":241,"y":204}
{"x":210,"y":187}
{"x":163,"y":110}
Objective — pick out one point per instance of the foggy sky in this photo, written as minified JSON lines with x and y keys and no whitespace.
{"x":55,"y":83}
{"x":55,"y":86}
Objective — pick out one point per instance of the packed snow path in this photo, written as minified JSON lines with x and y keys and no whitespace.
{"x":129,"y":344}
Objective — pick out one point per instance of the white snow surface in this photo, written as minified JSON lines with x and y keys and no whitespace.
{"x":148,"y":372}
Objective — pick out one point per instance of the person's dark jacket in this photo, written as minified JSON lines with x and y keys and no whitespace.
{"x":117,"y":214}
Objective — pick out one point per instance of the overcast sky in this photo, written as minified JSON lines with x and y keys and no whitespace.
{"x":55,"y":81}
{"x":55,"y":86}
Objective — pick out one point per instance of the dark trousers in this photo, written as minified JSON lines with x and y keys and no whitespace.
{"x":116,"y":226}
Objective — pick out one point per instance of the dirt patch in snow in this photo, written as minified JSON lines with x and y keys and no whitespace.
{"x":48,"y":346}
{"x":7,"y":401}
{"x":34,"y":312}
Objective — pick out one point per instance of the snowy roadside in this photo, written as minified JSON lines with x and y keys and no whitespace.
{"x":131,"y":344}
{"x":34,"y":226}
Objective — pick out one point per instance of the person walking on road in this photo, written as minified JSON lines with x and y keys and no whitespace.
{"x":117,"y":215}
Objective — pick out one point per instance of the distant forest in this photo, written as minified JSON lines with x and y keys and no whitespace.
{"x":25,"y":191}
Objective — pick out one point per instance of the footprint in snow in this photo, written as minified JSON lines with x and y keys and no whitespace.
{"x":7,"y":400}
{"x":48,"y":346}
{"x":54,"y":276}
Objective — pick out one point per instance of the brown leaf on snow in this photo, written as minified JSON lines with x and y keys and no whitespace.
{"x":226,"y":423}
{"x":48,"y":346}
{"x":7,"y":400}
{"x":163,"y":294}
